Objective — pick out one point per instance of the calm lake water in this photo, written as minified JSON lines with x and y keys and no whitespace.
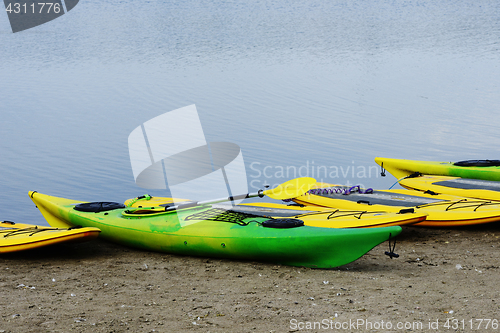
{"x":301,"y":86}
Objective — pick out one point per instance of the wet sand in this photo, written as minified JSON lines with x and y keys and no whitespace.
{"x":96,"y":286}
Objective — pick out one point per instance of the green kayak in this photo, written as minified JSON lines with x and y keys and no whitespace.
{"x":475,"y":169}
{"x":213,"y":232}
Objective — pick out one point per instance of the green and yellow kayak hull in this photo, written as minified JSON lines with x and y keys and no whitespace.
{"x":198,"y":231}
{"x":483,"y":169}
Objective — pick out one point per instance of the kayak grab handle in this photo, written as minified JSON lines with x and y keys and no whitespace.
{"x":391,"y":253}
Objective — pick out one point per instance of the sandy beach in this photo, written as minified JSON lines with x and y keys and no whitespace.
{"x":109,"y":100}
{"x":444,"y":280}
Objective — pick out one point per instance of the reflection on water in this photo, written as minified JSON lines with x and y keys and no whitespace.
{"x":295,"y":84}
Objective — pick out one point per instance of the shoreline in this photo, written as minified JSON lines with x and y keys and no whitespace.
{"x":103,"y":287}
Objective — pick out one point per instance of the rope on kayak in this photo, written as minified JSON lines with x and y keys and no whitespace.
{"x":356,"y":214}
{"x":31,"y":231}
{"x":336,"y":190}
{"x":473,"y":203}
{"x":142,"y":197}
{"x":461,"y":204}
{"x":340,"y":190}
{"x":340,"y":213}
{"x":413,"y":175}
{"x":391,"y":253}
{"x":222,"y":215}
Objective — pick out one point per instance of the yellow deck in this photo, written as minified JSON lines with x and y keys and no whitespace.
{"x":443,"y":210}
{"x":313,"y":216}
{"x":19,"y":237}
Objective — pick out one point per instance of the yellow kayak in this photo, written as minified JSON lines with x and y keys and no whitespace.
{"x":18,"y":237}
{"x":470,"y":188}
{"x":312,"y":216}
{"x":443,"y":210}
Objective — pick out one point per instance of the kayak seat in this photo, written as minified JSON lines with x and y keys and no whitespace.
{"x":283,"y":223}
{"x":96,"y":207}
{"x":478,"y":163}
